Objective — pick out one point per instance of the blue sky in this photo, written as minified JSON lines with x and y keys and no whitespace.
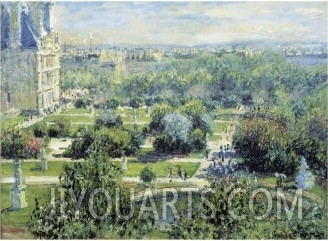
{"x":190,"y":23}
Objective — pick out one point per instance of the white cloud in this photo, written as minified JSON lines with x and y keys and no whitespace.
{"x":192,"y":22}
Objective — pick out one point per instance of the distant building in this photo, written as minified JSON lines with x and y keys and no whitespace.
{"x":30,"y":58}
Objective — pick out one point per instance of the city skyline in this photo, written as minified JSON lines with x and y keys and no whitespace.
{"x":189,"y":23}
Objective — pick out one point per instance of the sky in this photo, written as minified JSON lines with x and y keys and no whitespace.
{"x":189,"y":23}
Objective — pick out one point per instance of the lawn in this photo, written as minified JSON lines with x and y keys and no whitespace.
{"x":316,"y":190}
{"x":320,"y":192}
{"x":219,"y":127}
{"x":21,"y":217}
{"x":141,"y":115}
{"x":216,"y":137}
{"x":82,"y":118}
{"x":161,"y":168}
{"x":12,"y":122}
{"x":55,"y":168}
{"x":76,"y":111}
{"x":131,"y":126}
{"x":223,"y":111}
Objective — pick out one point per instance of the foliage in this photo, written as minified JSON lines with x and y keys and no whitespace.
{"x":157,"y":114}
{"x":80,"y":147}
{"x":147,"y":175}
{"x":17,"y":144}
{"x":177,"y":126}
{"x":136,"y":102}
{"x":34,"y":147}
{"x":109,"y":119}
{"x":264,"y":140}
{"x":176,"y":135}
{"x":136,"y":141}
{"x":110,"y":142}
{"x":198,"y":138}
{"x":113,"y":104}
{"x":39,"y":129}
{"x":78,"y":223}
{"x":60,"y":128}
{"x":221,"y":224}
{"x":310,"y":140}
{"x":80,"y":103}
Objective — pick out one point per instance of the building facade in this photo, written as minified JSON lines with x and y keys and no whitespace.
{"x":30,"y":58}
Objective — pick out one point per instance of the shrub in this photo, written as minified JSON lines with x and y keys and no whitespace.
{"x":80,"y":103}
{"x":113,"y":104}
{"x":198,"y":138}
{"x":136,"y":102}
{"x":109,"y":119}
{"x":39,"y":129}
{"x":147,"y":175}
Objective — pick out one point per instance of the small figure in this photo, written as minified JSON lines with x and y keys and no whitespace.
{"x":185,"y":175}
{"x":170,"y":172}
{"x":206,"y":153}
{"x":179,"y":172}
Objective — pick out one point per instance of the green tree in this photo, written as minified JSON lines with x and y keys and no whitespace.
{"x":80,"y":147}
{"x":60,"y":128}
{"x":113,"y":104}
{"x":176,"y":135}
{"x":157,"y":114}
{"x":61,"y":219}
{"x":111,"y":142}
{"x":19,"y":144}
{"x":109,"y":119}
{"x":39,"y":129}
{"x":147,"y":175}
{"x":80,"y":103}
{"x":264,"y":144}
{"x":136,"y":102}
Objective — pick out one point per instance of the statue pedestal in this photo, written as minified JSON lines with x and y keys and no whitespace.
{"x":17,"y":197}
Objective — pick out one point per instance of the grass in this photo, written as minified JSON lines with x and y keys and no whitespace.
{"x":55,"y":168}
{"x":199,"y":155}
{"x":76,"y":111}
{"x":219,"y":127}
{"x":216,"y":137}
{"x":131,"y":126}
{"x":160,"y":168}
{"x":141,"y":115}
{"x":224,"y":111}
{"x":48,"y":150}
{"x":21,"y":217}
{"x":12,"y":122}
{"x":316,"y":190}
{"x":53,"y":118}
{"x":320,"y":192}
{"x":156,"y":234}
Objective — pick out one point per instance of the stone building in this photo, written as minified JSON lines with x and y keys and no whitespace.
{"x":30,"y":58}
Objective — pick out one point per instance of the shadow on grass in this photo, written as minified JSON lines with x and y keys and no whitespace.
{"x":9,"y":210}
{"x":35,"y":169}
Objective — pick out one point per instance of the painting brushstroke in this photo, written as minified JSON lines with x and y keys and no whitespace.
{"x":164,"y":120}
